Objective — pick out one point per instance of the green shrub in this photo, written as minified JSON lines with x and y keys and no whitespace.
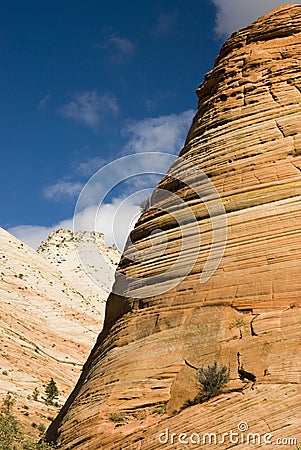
{"x":10,"y":430}
{"x":29,"y":445}
{"x":237,"y":323}
{"x":140,"y":414}
{"x":212,"y":380}
{"x":160,"y":408}
{"x":51,"y":392}
{"x":35,"y":394}
{"x":12,"y":433}
{"x":41,"y":427}
{"x":145,"y":204}
{"x":117,"y":417}
{"x":8,"y":403}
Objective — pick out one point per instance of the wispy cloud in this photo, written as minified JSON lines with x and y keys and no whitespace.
{"x":159,"y":134}
{"x":157,"y":98}
{"x":165,"y":22}
{"x":43,"y":102}
{"x":120,"y":50}
{"x":90,"y":108}
{"x":63,"y":189}
{"x":89,"y":166}
{"x":234,"y":14}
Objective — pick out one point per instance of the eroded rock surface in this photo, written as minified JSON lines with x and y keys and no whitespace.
{"x":246,"y":137}
{"x":68,"y":251}
{"x":49,"y":320}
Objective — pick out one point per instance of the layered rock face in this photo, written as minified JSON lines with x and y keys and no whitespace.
{"x":246,"y":137}
{"x":61,"y":249}
{"x":48,"y":320}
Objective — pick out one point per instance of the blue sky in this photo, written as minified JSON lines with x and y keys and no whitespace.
{"x":86,"y":82}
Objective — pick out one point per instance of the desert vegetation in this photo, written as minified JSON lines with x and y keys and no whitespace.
{"x":12,"y":436}
{"x":212,"y":380}
{"x":52,"y":393}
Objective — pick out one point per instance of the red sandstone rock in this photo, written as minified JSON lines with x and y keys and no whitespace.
{"x":246,"y":136}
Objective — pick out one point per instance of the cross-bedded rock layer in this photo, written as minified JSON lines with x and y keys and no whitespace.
{"x":246,"y":137}
{"x":49,"y":318}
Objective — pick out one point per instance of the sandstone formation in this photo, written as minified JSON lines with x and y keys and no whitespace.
{"x":48,"y":321}
{"x":61,"y":250}
{"x":246,"y":136}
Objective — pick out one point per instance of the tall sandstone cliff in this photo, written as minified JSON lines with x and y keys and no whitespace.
{"x":246,"y":137}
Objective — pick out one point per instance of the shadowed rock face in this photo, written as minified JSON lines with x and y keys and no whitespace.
{"x":246,"y":137}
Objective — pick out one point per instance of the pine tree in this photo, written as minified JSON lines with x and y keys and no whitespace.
{"x":51,"y":392}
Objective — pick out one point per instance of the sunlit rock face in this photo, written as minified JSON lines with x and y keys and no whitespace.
{"x":246,"y":138}
{"x":68,"y":251}
{"x":49,"y":318}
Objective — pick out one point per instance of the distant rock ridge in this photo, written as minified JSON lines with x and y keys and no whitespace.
{"x":246,"y":137}
{"x":64,"y":248}
{"x":50,"y":314}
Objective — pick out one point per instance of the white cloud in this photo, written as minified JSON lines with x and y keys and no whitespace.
{"x":124,"y":49}
{"x":234,"y":14}
{"x":115,"y":220}
{"x":160,"y":134}
{"x":165,"y":23}
{"x":63,"y":189}
{"x":32,"y":235}
{"x":90,"y":108}
{"x":140,"y":173}
{"x":89,"y":166}
{"x":120,"y":49}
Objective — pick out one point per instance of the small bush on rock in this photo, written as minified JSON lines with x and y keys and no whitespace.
{"x":117,"y":417}
{"x":212,"y":380}
{"x":35,"y":394}
{"x":160,"y":408}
